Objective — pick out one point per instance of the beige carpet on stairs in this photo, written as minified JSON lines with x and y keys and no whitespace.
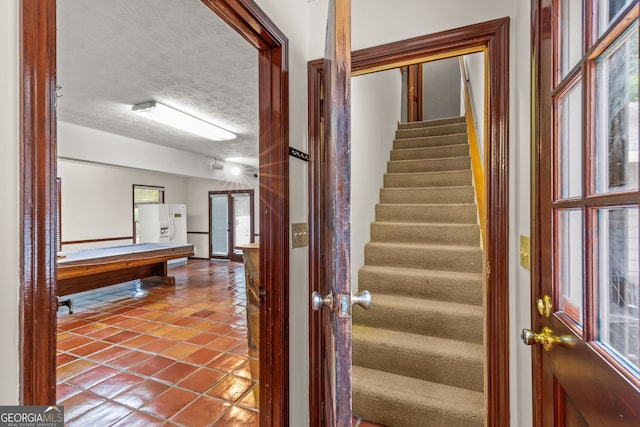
{"x":418,"y":352}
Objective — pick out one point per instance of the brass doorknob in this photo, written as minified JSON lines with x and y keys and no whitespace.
{"x":545,"y":306}
{"x":546,"y":337}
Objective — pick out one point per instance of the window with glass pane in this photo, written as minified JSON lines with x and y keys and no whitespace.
{"x":219,"y":224}
{"x":242,"y":218}
{"x":609,"y":11}
{"x":618,"y":265}
{"x":617,"y":115}
{"x":570,"y":278}
{"x":570,"y":139}
{"x":144,"y":194}
{"x":571,"y":34}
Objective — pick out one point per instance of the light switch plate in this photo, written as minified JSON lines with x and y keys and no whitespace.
{"x":299,"y":235}
{"x":525,"y":252}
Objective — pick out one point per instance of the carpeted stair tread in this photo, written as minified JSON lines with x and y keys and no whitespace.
{"x":430,"y":141}
{"x":440,"y":360}
{"x":427,"y":179}
{"x":467,"y":259}
{"x":430,"y":152}
{"x":439,"y":285}
{"x":448,"y":234}
{"x":429,"y":165}
{"x":462,"y":213}
{"x":435,"y":122}
{"x":432,"y":130}
{"x":450,"y":320}
{"x":428,"y":195}
{"x":396,"y":400}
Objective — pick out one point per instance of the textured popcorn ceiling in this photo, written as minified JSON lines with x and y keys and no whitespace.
{"x":116,"y":53}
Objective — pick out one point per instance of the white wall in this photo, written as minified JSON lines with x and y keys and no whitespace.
{"x":9,"y":200}
{"x":198,"y":208}
{"x":441,"y":89}
{"x":375,"y":113}
{"x":97,"y":200}
{"x":292,"y":17}
{"x":91,"y":145}
{"x":474,"y":64}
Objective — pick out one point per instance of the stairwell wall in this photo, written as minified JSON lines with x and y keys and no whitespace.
{"x":375,"y":113}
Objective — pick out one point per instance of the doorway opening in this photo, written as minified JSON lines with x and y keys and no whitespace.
{"x":491,"y":37}
{"x":39,"y":200}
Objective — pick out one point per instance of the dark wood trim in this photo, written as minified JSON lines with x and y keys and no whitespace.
{"x":198,"y":232}
{"x":38,"y":163}
{"x":414,"y":93}
{"x":495,"y":36}
{"x":316,"y":342}
{"x":542,"y":47}
{"x":38,"y":303}
{"x":105,"y":239}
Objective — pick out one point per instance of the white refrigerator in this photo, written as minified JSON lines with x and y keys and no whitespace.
{"x":163,"y":223}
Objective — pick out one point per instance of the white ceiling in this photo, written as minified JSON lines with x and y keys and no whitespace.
{"x":116,"y":53}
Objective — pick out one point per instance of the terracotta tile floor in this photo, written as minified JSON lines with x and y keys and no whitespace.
{"x":176,"y":357}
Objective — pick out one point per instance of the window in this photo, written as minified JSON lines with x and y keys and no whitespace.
{"x":144,"y":194}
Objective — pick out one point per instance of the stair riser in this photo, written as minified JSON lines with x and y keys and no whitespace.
{"x":430,"y":141}
{"x":448,"y":288}
{"x":456,"y":326}
{"x":455,"y":214}
{"x":429,"y":195}
{"x":429,"y":123}
{"x":435,"y":179}
{"x":439,"y":258}
{"x":432,"y":165}
{"x":425,"y":365}
{"x":414,"y":233}
{"x":394,"y":412}
{"x":432,"y":131}
{"x":430,"y":153}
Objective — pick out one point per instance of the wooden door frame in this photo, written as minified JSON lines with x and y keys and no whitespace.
{"x":231,"y":255}
{"x":38,"y":303}
{"x":490,"y":35}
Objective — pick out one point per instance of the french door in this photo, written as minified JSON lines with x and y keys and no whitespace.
{"x":231,"y":223}
{"x":585,"y":280}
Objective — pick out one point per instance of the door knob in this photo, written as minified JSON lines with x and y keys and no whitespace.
{"x":546,"y":337}
{"x":317,"y":300}
{"x":545,"y":306}
{"x":363,"y":299}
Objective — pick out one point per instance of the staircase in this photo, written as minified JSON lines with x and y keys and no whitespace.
{"x":418,"y":352}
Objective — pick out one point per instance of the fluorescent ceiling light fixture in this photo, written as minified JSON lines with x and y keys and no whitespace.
{"x":182,"y":121}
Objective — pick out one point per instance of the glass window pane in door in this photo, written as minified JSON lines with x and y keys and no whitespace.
{"x":242,"y":219}
{"x":617,"y":275}
{"x":570,"y":34}
{"x":569,"y":255}
{"x":608,"y":11}
{"x":617,"y":115}
{"x":219,"y":225}
{"x":570,"y":138}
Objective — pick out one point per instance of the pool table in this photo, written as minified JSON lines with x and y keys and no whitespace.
{"x":88,"y":269}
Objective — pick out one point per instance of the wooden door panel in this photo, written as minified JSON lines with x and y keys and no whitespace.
{"x":583,"y":381}
{"x":335,"y":208}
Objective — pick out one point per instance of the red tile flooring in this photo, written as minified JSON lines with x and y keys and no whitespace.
{"x":176,"y":357}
